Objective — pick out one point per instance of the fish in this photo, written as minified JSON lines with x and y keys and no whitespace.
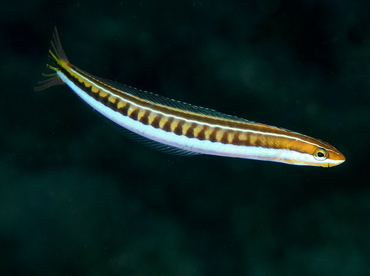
{"x":180,"y":128}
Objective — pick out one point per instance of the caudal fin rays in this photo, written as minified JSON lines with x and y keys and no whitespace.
{"x":55,"y":57}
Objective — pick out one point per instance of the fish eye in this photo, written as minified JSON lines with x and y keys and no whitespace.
{"x":320,"y":154}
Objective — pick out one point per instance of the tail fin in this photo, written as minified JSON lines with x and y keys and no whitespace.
{"x":56,"y":57}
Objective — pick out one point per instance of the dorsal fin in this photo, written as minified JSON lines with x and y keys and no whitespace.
{"x":158,"y":99}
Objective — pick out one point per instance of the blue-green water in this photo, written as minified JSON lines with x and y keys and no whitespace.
{"x":77,"y":197}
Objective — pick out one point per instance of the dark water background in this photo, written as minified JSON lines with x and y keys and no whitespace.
{"x":79,"y":198}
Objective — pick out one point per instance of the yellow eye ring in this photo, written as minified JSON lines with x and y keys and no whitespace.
{"x":320,"y":154}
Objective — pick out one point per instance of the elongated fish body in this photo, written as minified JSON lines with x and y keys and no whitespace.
{"x":183,"y":128}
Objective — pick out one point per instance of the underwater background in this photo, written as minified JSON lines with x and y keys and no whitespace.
{"x":77,"y":197}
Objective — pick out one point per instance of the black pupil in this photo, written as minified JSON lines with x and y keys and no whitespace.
{"x":320,"y":154}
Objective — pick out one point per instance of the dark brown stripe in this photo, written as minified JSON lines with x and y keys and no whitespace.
{"x":201,"y":135}
{"x":190,"y":132}
{"x":123,"y":110}
{"x":236,"y":141}
{"x":103,"y":100}
{"x":178,"y":129}
{"x":145,"y":118}
{"x":94,"y":95}
{"x":155,"y":122}
{"x":224,"y":139}
{"x":167,"y":125}
{"x":113,"y":105}
{"x":134,"y":114}
{"x":212,"y":136}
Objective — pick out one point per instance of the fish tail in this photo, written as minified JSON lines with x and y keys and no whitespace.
{"x":56,"y":58}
